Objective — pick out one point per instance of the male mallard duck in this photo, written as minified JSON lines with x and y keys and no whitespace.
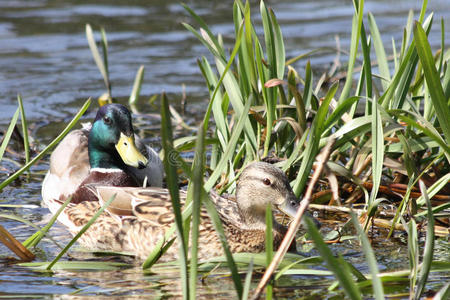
{"x":104,"y":153}
{"x":138,"y":217}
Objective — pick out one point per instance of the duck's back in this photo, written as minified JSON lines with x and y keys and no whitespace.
{"x":69,"y":166}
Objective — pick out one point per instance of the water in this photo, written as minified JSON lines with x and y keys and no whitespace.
{"x":44,"y":56}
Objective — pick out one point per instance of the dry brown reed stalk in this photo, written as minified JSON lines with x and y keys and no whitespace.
{"x":14,"y":245}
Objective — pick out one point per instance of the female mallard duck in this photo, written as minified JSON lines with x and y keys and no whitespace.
{"x":139,"y":217}
{"x":104,"y":153}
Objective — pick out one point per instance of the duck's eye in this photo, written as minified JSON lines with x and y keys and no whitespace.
{"x":267,"y":181}
{"x":107,"y":120}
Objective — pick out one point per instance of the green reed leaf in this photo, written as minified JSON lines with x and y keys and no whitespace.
{"x":7,"y":136}
{"x":269,"y":246}
{"x":356,"y":33}
{"x":81,"y":232}
{"x":26,"y":143}
{"x":196,"y":184}
{"x":377,"y":150}
{"x":215,"y":43}
{"x":136,"y":91}
{"x":370,"y":259}
{"x":383,"y":66}
{"x":433,"y":80}
{"x":434,"y":188}
{"x":77,"y":265}
{"x":102,"y":64}
{"x":429,"y":245}
{"x":343,"y":275}
{"x":34,"y":239}
{"x":50,"y":146}
{"x":215,"y":219}
{"x":248,"y":281}
{"x":312,"y":147}
{"x":444,"y":292}
{"x":172,"y":185}
{"x":228,"y":152}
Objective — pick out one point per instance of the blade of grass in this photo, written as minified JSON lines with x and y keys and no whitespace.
{"x":299,"y":103}
{"x":34,"y":239}
{"x":377,"y":150}
{"x":280,"y":52}
{"x":102,"y":64}
{"x":429,"y":245}
{"x":400,"y":83}
{"x":356,"y":33}
{"x":172,"y":184}
{"x":203,"y":25}
{"x":135,"y":92}
{"x":380,"y":52}
{"x":433,"y":80}
{"x":370,"y":259}
{"x":272,"y":45}
{"x":343,"y":275}
{"x":26,"y":143}
{"x":248,"y":281}
{"x":339,"y":111}
{"x":167,"y":241}
{"x":215,"y":219}
{"x":105,"y":59}
{"x":249,"y":53}
{"x":444,"y":292}
{"x":434,"y":188}
{"x":307,"y":93}
{"x":50,"y":146}
{"x":82,"y":231}
{"x":78,"y":265}
{"x":269,"y":247}
{"x":216,"y":105}
{"x":8,"y":133}
{"x":196,"y":182}
{"x":227,"y":154}
{"x":312,"y":147}
{"x":413,"y":253}
{"x":426,"y":130}
{"x":366,"y":72}
{"x":268,"y":38}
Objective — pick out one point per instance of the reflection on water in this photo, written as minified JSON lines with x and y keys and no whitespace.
{"x":45,"y":57}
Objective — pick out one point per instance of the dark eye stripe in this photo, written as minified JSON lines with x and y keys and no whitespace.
{"x":258,"y":179}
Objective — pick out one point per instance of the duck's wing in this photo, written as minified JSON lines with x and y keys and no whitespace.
{"x":227,"y":208}
{"x":69,"y":166}
{"x":152,"y":204}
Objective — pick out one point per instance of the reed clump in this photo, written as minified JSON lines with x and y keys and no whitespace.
{"x":390,"y":119}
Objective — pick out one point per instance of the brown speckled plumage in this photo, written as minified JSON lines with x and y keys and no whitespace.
{"x":139,"y":217}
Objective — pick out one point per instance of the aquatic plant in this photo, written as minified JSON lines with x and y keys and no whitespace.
{"x":259,"y":112}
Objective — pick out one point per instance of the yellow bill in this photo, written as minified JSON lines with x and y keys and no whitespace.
{"x":129,"y":153}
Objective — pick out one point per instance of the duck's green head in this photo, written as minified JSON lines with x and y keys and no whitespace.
{"x":111,"y":140}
